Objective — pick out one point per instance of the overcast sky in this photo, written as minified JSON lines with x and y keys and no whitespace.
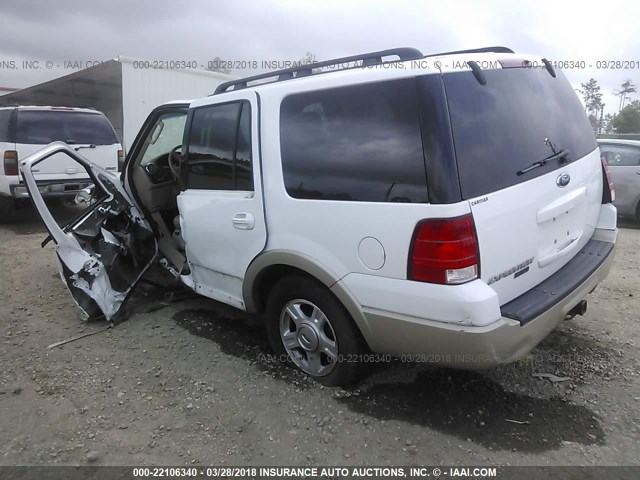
{"x":81,"y":31}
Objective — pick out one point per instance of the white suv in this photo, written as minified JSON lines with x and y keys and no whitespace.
{"x":24,"y":130}
{"x":449,"y":208}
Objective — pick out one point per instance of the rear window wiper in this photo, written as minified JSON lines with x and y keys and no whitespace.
{"x":544,"y":161}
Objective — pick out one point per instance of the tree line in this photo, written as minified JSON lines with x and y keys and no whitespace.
{"x":627,"y":120}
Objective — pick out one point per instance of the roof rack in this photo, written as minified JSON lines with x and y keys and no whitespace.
{"x":474,"y":50}
{"x":367,"y":59}
{"x":304,"y":70}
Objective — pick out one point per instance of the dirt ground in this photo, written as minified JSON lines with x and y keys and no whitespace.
{"x":188,"y":382}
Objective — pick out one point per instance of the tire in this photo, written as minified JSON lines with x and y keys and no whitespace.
{"x":7,"y":209}
{"x":322,"y":340}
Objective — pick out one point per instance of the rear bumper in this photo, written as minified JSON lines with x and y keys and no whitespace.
{"x":471,"y":347}
{"x":542,"y":297}
{"x":52,"y":188}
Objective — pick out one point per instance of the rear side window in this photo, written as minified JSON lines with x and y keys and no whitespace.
{"x":500,"y":128}
{"x":359,"y":143}
{"x":621,"y":155}
{"x":219,"y":149}
{"x":41,"y":127}
{"x":5,"y":117}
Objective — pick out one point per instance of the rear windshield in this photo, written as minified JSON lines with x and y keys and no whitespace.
{"x":500,"y":128}
{"x":46,"y":126}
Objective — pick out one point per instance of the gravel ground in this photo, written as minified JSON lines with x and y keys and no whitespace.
{"x":189,"y":382}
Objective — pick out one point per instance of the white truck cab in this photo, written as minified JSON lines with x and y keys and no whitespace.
{"x":26,"y":129}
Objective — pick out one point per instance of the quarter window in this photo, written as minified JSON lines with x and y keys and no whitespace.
{"x":219,"y":149}
{"x":357,"y":143}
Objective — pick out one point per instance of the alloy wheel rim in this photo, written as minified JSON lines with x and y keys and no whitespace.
{"x":308,"y":337}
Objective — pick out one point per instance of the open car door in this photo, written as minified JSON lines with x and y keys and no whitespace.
{"x":104,"y":251}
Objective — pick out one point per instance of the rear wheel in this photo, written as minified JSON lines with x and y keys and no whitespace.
{"x":309,"y":325}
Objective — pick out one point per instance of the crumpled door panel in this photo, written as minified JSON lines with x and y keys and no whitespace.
{"x":103,"y":254}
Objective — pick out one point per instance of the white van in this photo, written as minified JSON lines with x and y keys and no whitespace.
{"x":24,"y":130}
{"x":451,"y":208}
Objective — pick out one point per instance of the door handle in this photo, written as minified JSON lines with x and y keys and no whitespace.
{"x":243,"y":221}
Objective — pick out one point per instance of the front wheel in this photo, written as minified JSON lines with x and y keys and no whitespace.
{"x":309,"y":325}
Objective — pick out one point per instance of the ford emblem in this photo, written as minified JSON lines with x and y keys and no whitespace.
{"x":563,"y":180}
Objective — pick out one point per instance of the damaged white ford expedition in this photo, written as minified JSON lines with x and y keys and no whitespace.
{"x":451,"y":207}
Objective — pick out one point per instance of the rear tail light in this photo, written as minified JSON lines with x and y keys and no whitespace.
{"x":10,"y":162}
{"x":608,"y":190}
{"x":120,"y":160}
{"x":444,"y":250}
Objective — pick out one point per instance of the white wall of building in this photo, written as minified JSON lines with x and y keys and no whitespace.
{"x":143,"y":89}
